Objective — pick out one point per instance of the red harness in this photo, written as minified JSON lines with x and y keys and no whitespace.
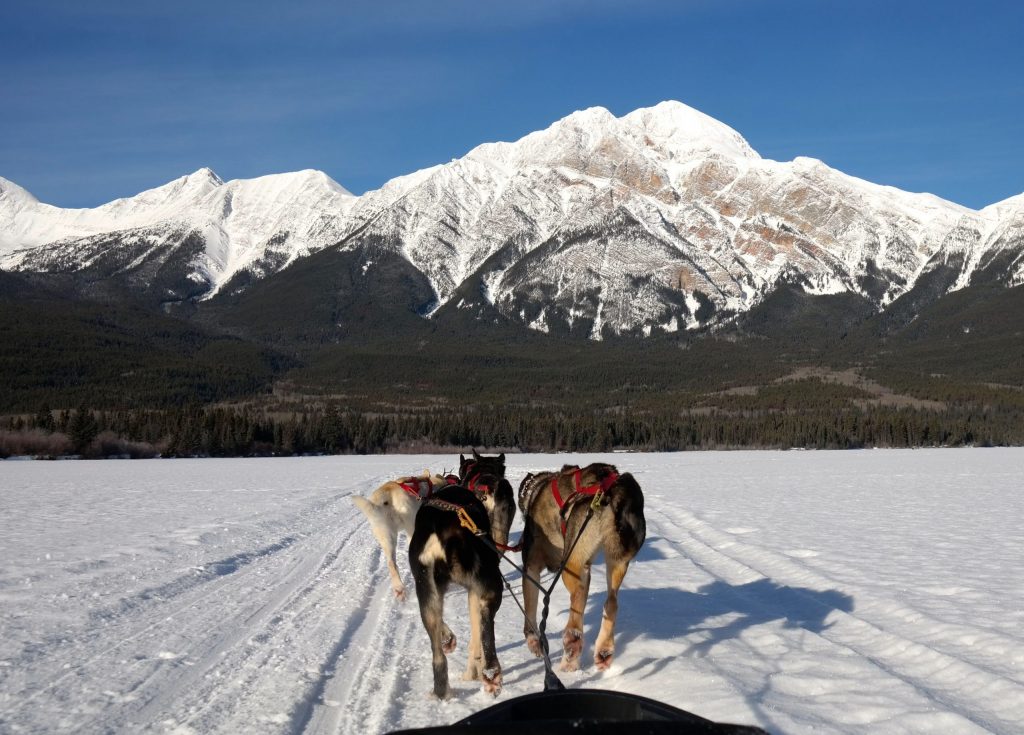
{"x":474,"y":484}
{"x":421,"y":488}
{"x":602,"y":486}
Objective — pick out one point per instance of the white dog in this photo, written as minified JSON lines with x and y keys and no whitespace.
{"x":392,"y":508}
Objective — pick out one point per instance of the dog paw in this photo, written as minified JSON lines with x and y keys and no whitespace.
{"x":472,"y":673}
{"x":444,"y":693}
{"x":572,"y":647}
{"x":533,"y":643}
{"x":569,"y":665}
{"x":400,"y":593}
{"x":603,"y":658}
{"x":492,"y":681}
{"x":449,"y":643}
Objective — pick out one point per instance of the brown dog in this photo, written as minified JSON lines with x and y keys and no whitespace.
{"x":555,"y":506}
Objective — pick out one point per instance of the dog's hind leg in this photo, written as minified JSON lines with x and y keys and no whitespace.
{"x":604,"y":649}
{"x":576,"y":577}
{"x":385,"y":530}
{"x":474,"y":666}
{"x":388,"y":539}
{"x":537,"y":553}
{"x":431,"y":600}
{"x":490,"y":601}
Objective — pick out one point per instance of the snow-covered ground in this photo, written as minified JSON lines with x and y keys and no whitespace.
{"x":850,"y":592}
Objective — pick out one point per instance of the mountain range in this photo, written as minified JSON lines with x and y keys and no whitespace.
{"x":652,"y":261}
{"x":661,"y":221}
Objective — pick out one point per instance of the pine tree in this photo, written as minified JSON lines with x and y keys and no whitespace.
{"x":82,"y":429}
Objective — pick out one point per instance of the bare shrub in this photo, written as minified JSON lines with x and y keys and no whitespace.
{"x":33,"y":443}
{"x":109,"y":444}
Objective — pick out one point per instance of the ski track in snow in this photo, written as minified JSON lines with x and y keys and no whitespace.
{"x":848,"y":592}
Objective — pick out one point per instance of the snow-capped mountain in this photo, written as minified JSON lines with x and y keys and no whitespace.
{"x":210,"y":233}
{"x":661,"y":220}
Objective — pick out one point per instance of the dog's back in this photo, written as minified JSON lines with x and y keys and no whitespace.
{"x":390,"y":505}
{"x":626,"y":502}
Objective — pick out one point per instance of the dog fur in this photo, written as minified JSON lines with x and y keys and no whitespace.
{"x":391,"y":509}
{"x":485,"y":476}
{"x":617,"y":528}
{"x":442,"y":551}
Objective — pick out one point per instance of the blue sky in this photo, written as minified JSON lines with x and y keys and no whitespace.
{"x":101,"y":99}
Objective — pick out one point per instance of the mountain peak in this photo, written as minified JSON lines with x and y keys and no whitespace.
{"x":588,"y":116}
{"x":173,"y":195}
{"x":204,"y":175}
{"x":14,"y":193}
{"x":681,"y":129}
{"x":1006,"y":206}
{"x":306,"y":183}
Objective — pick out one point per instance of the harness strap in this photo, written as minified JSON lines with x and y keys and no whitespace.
{"x":503,"y":547}
{"x":597,"y":490}
{"x":473,"y":484}
{"x":554,"y":491}
{"x":418,"y":489}
{"x":458,"y":510}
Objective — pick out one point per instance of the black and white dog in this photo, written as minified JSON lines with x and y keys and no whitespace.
{"x":448,"y":545}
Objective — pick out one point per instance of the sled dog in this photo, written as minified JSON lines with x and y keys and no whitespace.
{"x":392,"y":508}
{"x":484,"y":476}
{"x":447,"y":545}
{"x":554,"y":506}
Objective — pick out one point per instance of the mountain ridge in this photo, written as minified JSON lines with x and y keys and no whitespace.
{"x":660,"y":220}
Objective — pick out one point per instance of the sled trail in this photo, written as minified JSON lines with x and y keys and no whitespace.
{"x":851,"y":592}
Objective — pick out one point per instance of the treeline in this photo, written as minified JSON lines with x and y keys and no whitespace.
{"x":332,"y":429}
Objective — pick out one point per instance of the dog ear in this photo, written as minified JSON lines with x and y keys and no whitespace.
{"x":475,"y":455}
{"x":462,"y":460}
{"x":501,"y":457}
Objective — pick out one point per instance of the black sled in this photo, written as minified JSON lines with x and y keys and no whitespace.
{"x":589,"y":711}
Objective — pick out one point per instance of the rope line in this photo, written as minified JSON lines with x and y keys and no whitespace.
{"x":551,"y":681}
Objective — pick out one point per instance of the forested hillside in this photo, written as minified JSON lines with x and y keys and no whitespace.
{"x":799,"y":371}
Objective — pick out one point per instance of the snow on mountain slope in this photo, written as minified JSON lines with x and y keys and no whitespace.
{"x":258,"y":224}
{"x":264,"y":224}
{"x":1002,"y":246}
{"x":709,"y":225}
{"x":25,"y":222}
{"x":659,"y":220}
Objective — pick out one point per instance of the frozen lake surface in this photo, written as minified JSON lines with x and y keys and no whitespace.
{"x":837,"y":592}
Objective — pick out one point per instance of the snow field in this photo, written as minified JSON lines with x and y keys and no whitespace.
{"x":846,"y":592}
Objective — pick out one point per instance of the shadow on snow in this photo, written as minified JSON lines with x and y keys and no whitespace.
{"x":669,"y":614}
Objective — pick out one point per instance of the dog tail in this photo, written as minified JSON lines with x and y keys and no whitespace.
{"x":626,"y":500}
{"x":371,"y":511}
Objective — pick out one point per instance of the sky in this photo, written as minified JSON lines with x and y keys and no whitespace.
{"x":103,"y":99}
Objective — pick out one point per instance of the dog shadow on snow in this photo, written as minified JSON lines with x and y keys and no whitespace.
{"x":717,"y":612}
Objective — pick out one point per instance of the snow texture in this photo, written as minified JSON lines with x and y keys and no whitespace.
{"x":839,"y":592}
